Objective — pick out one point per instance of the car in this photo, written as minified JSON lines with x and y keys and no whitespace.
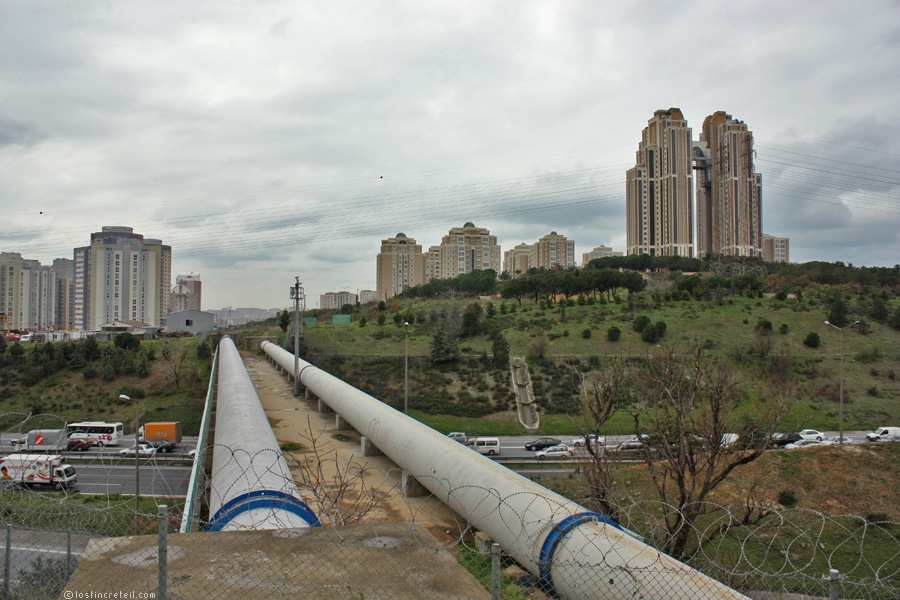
{"x":836,"y":439}
{"x":884,"y":434}
{"x":459,"y":436}
{"x":811,"y":434}
{"x":143,"y":450}
{"x":560,"y":451}
{"x":632,"y":444}
{"x":542,"y":443}
{"x":780,"y":440}
{"x":163,"y":446}
{"x":77,"y":445}
{"x":802,"y":444}
{"x":589,"y":438}
{"x":19,"y":441}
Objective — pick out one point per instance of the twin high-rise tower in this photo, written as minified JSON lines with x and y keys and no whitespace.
{"x":660,"y":187}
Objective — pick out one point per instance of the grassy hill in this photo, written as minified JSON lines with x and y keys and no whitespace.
{"x":564,"y":342}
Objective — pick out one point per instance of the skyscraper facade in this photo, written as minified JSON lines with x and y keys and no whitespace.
{"x":186,"y":293}
{"x":775,"y":249}
{"x":659,"y":189}
{"x":399,"y":265}
{"x":122,"y":276}
{"x":729,"y":190}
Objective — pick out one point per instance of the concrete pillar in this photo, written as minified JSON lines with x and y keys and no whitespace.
{"x":483,"y":542}
{"x":368,"y":448}
{"x":411,"y":487}
{"x":340,"y":424}
{"x":324,"y":408}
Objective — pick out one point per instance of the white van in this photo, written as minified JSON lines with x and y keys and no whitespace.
{"x":486,"y":445}
{"x":884,"y":434}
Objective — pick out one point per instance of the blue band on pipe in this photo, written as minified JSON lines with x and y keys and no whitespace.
{"x":553,"y":538}
{"x":271,"y":499}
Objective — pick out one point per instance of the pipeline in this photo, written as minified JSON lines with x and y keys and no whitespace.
{"x":574,"y":552}
{"x":251,"y":485}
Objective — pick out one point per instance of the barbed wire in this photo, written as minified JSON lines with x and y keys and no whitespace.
{"x":785,"y":550}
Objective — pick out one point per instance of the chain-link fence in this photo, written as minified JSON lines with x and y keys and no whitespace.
{"x":378,"y":542}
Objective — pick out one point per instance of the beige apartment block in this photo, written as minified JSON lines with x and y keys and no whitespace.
{"x":729,"y":190}
{"x":466,"y":249}
{"x":337,"y":300}
{"x":366,"y":296}
{"x":433,"y":263}
{"x":517,"y":261}
{"x":400,"y":265}
{"x":554,"y":250}
{"x":65,"y":293}
{"x":28,"y":293}
{"x":775,"y":249}
{"x":659,"y":189}
{"x":598,"y":252}
{"x":122,"y":276}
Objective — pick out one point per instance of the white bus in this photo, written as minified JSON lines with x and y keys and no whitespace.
{"x":96,"y":432}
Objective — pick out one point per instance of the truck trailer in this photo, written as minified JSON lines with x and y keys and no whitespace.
{"x":161,"y":432}
{"x":42,"y":440}
{"x":36,"y":469}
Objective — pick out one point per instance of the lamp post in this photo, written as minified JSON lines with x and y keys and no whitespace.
{"x":406,"y":369}
{"x":841,"y":414}
{"x":137,"y":468}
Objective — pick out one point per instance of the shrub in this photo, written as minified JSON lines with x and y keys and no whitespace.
{"x":812,"y":340}
{"x":783,"y":329}
{"x":650,"y":335}
{"x":586,"y":334}
{"x":640,"y":323}
{"x":613,"y":334}
{"x":763,"y":327}
{"x":787,"y":498}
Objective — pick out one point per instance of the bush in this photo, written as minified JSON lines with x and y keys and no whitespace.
{"x":586,"y":334}
{"x":783,"y":329}
{"x":127,"y":341}
{"x":640,"y":323}
{"x":613,"y":334}
{"x":650,"y":335}
{"x":812,"y":340}
{"x":787,"y":498}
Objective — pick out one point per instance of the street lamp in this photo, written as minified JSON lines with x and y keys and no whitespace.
{"x":406,"y":369}
{"x":137,"y":468}
{"x":841,"y":416}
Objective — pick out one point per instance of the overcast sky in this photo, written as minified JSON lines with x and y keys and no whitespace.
{"x":263,"y":140}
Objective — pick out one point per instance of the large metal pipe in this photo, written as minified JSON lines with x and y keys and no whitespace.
{"x":574,"y":552}
{"x":251,"y":486}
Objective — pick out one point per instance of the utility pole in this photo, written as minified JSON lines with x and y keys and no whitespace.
{"x":296,"y":294}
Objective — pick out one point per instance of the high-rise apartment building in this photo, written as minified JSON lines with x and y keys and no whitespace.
{"x":28,"y":293}
{"x":400,"y":265}
{"x":517,"y":261}
{"x":775,"y":249}
{"x":433,"y":263}
{"x":122,"y":276}
{"x":65,"y":292}
{"x":366,"y":296}
{"x":466,"y":249}
{"x":554,"y":250}
{"x":729,"y":190}
{"x":598,"y":252}
{"x":186,"y":293}
{"x":659,"y":189}
{"x":336,"y":300}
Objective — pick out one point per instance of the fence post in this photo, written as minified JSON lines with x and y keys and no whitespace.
{"x":163,"y":552}
{"x":69,"y":553}
{"x":834,"y":577}
{"x":6,"y":563}
{"x":495,"y":571}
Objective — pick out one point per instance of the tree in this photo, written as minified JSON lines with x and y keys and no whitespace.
{"x":126,"y":341}
{"x":284,"y":319}
{"x":603,"y":394}
{"x":444,"y":347}
{"x":176,"y":361}
{"x":500,"y":350}
{"x":839,"y":314}
{"x":689,"y":404}
{"x":812,"y":340}
{"x":613,"y":334}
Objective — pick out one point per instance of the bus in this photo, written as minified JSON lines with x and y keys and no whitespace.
{"x":96,"y":432}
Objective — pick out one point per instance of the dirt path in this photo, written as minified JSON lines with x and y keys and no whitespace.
{"x":330,"y":469}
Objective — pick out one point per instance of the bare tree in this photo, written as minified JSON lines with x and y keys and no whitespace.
{"x":688,"y":414}
{"x":176,"y":360}
{"x":338,"y":490}
{"x":603,"y":394}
